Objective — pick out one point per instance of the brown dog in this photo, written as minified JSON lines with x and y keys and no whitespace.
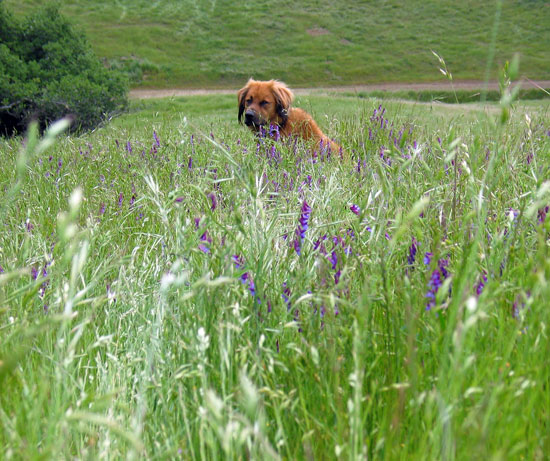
{"x":265,"y":103}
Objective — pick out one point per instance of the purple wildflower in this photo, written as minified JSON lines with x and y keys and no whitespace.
{"x":120,"y":200}
{"x":214,"y":200}
{"x":34,"y":272}
{"x":274,"y":132}
{"x":412,"y":252}
{"x":238,"y":261}
{"x":337,"y":276}
{"x":302,"y":227}
{"x":333,"y":259}
{"x":542,"y":214}
{"x":1,"y":270}
{"x":435,"y":282}
{"x":204,"y":248}
{"x":355,"y":209}
{"x":205,"y":237}
{"x":129,"y":147}
{"x":481,"y":283}
{"x":157,"y":142}
{"x":428,"y":258}
{"x":286,"y":296}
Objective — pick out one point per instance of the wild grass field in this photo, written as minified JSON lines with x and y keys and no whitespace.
{"x":172,"y":287}
{"x":221,"y":43}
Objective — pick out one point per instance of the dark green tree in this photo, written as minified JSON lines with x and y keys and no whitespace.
{"x":48,"y":70}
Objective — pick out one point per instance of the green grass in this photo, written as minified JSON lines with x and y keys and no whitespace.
{"x":222,"y":43}
{"x":128,"y":331}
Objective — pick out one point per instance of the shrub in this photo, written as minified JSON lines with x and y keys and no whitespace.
{"x":49,"y":70}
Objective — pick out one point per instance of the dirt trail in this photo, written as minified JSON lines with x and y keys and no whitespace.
{"x":469,"y":85}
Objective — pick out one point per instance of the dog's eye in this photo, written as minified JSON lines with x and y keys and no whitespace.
{"x":249,"y":101}
{"x":264,"y":103}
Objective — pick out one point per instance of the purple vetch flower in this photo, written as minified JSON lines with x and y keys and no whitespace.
{"x":205,"y":237}
{"x":214,"y":200}
{"x":238,"y":261}
{"x":102,"y":208}
{"x":120,"y":200}
{"x":542,"y":212}
{"x":302,"y":227}
{"x":132,"y":201}
{"x":481,"y":283}
{"x":190,"y":163}
{"x":204,"y":248}
{"x":34,"y":272}
{"x":337,"y":277}
{"x":355,"y":209}
{"x":428,"y":258}
{"x":286,"y":296}
{"x":157,"y":142}
{"x":274,"y":132}
{"x":129,"y":147}
{"x":247,"y":279}
{"x":435,"y":282}
{"x":333,"y":259}
{"x":178,"y":199}
{"x":1,"y":270}
{"x":412,"y":252}
{"x":29,"y":225}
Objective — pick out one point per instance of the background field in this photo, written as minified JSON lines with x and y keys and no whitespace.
{"x":310,"y":43}
{"x":165,"y":312}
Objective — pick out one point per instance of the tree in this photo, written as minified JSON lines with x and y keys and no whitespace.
{"x":49,"y":70}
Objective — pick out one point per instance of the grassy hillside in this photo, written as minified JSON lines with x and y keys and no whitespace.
{"x":217,"y":43}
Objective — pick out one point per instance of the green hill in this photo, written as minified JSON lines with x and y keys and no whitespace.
{"x":221,"y":43}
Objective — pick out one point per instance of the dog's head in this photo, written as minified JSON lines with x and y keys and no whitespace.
{"x":263,"y":103}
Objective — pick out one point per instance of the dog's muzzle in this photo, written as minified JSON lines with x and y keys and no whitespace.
{"x":251,"y":118}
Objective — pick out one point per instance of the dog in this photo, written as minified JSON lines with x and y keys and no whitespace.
{"x":265,"y":103}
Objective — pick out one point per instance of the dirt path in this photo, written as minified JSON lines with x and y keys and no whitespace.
{"x":437,"y":86}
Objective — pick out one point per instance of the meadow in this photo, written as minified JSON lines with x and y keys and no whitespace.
{"x":172,"y":287}
{"x":221,"y":43}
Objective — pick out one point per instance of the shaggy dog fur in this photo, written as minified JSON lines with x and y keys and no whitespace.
{"x":269,"y":102}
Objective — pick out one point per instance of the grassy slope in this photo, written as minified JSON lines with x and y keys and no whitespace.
{"x":217,"y":44}
{"x":130,"y":372}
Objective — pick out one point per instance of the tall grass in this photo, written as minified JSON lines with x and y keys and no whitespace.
{"x":153,"y":303}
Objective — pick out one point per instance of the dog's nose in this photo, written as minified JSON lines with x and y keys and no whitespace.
{"x":249,"y":117}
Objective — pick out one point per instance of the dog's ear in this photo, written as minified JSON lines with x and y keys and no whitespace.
{"x":241,"y":96}
{"x":283,"y":98}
